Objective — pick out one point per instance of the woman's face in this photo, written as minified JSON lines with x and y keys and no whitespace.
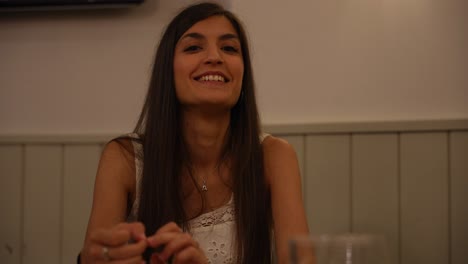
{"x":208,"y":64}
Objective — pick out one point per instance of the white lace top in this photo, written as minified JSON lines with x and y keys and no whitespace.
{"x":214,"y":231}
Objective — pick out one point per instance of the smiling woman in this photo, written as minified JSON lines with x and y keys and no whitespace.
{"x":197,"y":181}
{"x":208,"y":65}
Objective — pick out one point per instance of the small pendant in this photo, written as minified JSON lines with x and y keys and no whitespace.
{"x":204,"y":188}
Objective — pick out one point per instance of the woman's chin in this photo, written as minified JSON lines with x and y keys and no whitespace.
{"x":211,"y":106}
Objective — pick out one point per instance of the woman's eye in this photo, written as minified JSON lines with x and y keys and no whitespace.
{"x":192,"y":48}
{"x":231,"y":49}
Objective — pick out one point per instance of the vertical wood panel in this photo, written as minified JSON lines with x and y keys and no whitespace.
{"x":42,"y":204}
{"x":80,"y":166}
{"x":375,"y":187}
{"x":10,"y":203}
{"x":424,"y":198}
{"x":459,"y":197}
{"x":298,"y":143}
{"x":327,"y":182}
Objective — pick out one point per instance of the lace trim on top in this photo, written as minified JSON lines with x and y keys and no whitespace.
{"x":218,"y":216}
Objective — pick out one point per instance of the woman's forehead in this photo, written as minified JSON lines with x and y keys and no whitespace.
{"x":213,"y":26}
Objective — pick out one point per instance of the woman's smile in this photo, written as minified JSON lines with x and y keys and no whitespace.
{"x":212,"y":76}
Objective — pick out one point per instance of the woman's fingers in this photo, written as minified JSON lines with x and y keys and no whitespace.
{"x":124,"y":252}
{"x":97,"y":252}
{"x":111,"y":237}
{"x":127,"y":250}
{"x":162,"y":239}
{"x":155,"y":259}
{"x":134,"y":260}
{"x":120,"y":234}
{"x":190,"y":255}
{"x":124,"y":242}
{"x":164,"y":235}
{"x":137,"y":230}
{"x":176,"y":244}
{"x":169,"y":227}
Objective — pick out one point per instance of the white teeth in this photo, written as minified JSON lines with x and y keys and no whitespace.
{"x":217,"y":78}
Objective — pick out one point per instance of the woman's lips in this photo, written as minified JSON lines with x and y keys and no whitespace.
{"x":212,"y":76}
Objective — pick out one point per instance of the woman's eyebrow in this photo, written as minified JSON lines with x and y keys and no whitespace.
{"x":196,"y":35}
{"x":228,"y":36}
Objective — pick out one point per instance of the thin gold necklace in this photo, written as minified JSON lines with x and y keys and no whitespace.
{"x":204,"y":188}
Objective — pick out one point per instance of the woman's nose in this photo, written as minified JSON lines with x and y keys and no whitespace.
{"x":213,"y":56}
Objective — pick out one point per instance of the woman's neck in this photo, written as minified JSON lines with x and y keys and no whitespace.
{"x":205,"y":137}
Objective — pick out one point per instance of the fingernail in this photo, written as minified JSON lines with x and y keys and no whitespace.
{"x":149,"y":240}
{"x":155,"y":257}
{"x":161,"y":257}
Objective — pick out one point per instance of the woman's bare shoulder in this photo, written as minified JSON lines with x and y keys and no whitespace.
{"x":275,"y":147}
{"x":279,"y":156}
{"x":118,"y":159}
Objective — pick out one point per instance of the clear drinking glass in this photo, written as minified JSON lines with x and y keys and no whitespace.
{"x":339,"y":249}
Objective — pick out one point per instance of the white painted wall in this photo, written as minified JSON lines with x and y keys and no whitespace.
{"x":315,"y":61}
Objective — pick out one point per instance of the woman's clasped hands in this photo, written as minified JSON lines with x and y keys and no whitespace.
{"x":169,"y":244}
{"x":177,"y":246}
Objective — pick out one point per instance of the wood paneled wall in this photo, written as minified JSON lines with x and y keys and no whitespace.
{"x":407,"y":181}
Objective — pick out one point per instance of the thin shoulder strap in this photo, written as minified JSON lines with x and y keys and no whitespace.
{"x":263,"y":136}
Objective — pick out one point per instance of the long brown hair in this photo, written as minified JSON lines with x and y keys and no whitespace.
{"x":165,"y":152}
